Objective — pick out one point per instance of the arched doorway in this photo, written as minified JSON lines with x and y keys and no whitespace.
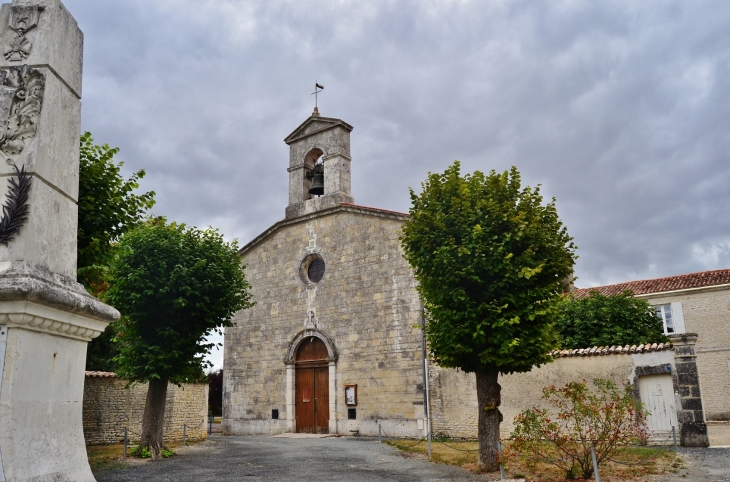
{"x":312,"y":386}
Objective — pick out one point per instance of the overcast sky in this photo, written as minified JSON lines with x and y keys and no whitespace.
{"x":620,"y":109}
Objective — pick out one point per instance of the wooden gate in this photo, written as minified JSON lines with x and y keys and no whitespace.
{"x":311,"y":407}
{"x":657,"y":395}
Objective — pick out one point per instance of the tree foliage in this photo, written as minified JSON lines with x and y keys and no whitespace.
{"x":580,"y":417}
{"x":108,"y":208}
{"x":215,"y":392}
{"x":489,"y":258}
{"x":599,"y":320}
{"x":174,"y":285}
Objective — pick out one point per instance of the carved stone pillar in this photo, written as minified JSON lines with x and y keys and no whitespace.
{"x":691,"y":418}
{"x":46,"y":317}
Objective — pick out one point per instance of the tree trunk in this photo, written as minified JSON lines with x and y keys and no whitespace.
{"x":489,"y":399}
{"x":154,"y":417}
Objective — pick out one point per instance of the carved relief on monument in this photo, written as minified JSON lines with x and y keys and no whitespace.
{"x":21,"y":99}
{"x":22,"y":19}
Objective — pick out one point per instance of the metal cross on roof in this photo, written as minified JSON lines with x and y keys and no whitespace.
{"x":317,"y":89}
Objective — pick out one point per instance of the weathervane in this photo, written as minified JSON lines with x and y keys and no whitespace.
{"x":317,"y":89}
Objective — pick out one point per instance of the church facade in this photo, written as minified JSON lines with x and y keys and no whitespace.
{"x":333,"y":344}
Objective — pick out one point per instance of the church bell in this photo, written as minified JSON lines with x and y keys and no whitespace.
{"x":317,"y":188}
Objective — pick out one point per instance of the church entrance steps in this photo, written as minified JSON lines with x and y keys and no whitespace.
{"x":304,"y":435}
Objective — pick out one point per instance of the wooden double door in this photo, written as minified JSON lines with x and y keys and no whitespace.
{"x":312,"y":409}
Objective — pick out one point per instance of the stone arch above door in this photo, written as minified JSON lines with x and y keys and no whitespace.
{"x":303,"y":335}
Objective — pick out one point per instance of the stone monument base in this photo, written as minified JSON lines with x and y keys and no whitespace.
{"x":46,"y":322}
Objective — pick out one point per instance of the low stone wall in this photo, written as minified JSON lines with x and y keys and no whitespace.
{"x":109,"y":407}
{"x":453,"y":399}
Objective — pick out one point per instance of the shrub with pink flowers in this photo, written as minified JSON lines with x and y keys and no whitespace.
{"x":580,"y":416}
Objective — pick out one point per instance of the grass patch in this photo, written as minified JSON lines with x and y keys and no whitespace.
{"x":636,"y":461}
{"x":107,"y":458}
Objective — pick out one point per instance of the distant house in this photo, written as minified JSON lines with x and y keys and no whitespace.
{"x":694,"y":303}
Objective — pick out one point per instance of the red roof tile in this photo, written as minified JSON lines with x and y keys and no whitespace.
{"x":659,"y":285}
{"x":613,"y":350}
{"x":101,"y":374}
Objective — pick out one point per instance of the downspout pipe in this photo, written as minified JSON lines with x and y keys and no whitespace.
{"x":426,"y":412}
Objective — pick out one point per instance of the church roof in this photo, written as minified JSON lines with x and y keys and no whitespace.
{"x":702,"y":279}
{"x":342,"y":207}
{"x":315,"y":125}
{"x":376,"y":210}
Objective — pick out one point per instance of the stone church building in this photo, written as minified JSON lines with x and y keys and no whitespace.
{"x":332,"y":344}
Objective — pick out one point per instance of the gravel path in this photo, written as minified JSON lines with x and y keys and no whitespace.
{"x":702,"y":465}
{"x":254,"y":458}
{"x":350,"y":459}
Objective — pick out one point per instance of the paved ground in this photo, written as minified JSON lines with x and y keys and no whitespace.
{"x":702,"y":465}
{"x":223,"y":459}
{"x":254,"y":458}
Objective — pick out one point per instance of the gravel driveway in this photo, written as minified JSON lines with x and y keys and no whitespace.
{"x":229,"y":458}
{"x":702,"y":465}
{"x":351,"y":459}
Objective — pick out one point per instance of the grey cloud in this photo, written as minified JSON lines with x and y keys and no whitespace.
{"x":618,"y":108}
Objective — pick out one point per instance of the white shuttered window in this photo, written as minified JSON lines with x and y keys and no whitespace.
{"x":672,"y":317}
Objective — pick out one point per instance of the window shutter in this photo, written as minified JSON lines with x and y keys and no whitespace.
{"x":678,"y":317}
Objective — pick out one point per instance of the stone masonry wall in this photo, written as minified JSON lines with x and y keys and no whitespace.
{"x":707,"y":313}
{"x":109,"y":407}
{"x":366,"y":304}
{"x":453,"y":399}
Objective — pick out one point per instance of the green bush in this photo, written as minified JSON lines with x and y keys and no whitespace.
{"x":599,"y":320}
{"x":144,"y":452}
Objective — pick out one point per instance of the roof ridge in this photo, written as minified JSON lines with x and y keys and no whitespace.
{"x":697,"y":279}
{"x":99,"y":374}
{"x":361,"y":206}
{"x":612,"y":350}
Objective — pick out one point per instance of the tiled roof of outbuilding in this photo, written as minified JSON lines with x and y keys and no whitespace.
{"x":101,"y":374}
{"x":659,"y":285}
{"x":613,"y":350}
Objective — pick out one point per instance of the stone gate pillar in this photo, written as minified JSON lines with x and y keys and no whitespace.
{"x":690,"y":415}
{"x":46,"y":317}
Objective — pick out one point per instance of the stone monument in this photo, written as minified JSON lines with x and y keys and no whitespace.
{"x":46,"y":317}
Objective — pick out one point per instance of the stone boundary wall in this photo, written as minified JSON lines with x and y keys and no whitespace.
{"x":109,"y":407}
{"x":453,"y":399}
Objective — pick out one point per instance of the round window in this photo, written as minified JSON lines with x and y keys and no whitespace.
{"x":312,"y":268}
{"x":315,"y":271}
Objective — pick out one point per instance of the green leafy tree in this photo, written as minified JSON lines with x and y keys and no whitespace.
{"x":489,"y":258}
{"x":215,"y":392}
{"x":174,"y":285}
{"x":108,"y":208}
{"x":599,"y":320}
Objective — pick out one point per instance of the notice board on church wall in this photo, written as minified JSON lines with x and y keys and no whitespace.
{"x":351,"y":395}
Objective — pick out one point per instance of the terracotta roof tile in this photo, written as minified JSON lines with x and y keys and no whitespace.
{"x":101,"y":374}
{"x":658,"y":285}
{"x":612,"y":350}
